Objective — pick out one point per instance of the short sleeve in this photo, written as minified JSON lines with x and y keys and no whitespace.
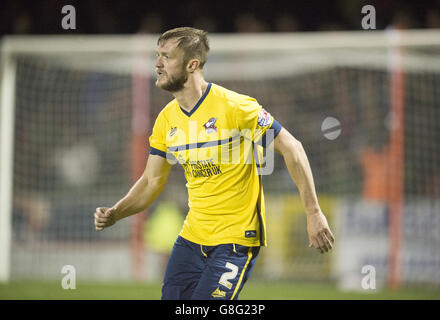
{"x":254,"y":122}
{"x":157,"y":139}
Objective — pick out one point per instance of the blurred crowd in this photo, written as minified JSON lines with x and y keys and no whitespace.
{"x":122,"y":17}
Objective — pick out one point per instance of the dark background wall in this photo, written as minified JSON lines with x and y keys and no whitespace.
{"x":154,"y":16}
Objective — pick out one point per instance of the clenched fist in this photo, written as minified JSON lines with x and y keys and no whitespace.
{"x":104,"y":217}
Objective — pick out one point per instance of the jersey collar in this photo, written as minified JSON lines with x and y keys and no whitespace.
{"x":202,"y":98}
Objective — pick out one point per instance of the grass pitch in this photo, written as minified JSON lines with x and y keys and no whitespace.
{"x":252,"y":291}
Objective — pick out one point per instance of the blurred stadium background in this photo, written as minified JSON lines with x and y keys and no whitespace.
{"x":77,"y":109}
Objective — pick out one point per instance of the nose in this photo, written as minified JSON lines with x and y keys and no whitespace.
{"x":159,"y":63}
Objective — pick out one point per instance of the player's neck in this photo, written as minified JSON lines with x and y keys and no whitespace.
{"x":194,"y":89}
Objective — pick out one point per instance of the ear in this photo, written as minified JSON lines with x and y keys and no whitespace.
{"x":193,"y":65}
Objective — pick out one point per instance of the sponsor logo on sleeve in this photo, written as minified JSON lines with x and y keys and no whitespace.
{"x":264,"y":118}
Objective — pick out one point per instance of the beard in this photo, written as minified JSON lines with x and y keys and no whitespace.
{"x":174,"y":83}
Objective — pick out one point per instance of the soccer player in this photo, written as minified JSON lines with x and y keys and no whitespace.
{"x":217,"y":136}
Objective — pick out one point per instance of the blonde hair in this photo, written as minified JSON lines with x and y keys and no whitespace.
{"x":194,"y":43}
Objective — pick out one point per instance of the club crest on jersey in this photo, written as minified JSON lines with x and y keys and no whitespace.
{"x":210,"y":125}
{"x":264,"y":118}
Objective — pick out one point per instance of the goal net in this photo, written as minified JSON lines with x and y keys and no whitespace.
{"x":77,"y":112}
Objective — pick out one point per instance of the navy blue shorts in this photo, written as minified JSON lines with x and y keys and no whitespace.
{"x":207,"y":272}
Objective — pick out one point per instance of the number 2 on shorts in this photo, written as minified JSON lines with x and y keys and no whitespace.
{"x":229,"y":275}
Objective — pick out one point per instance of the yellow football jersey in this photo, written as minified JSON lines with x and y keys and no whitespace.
{"x":220,"y":146}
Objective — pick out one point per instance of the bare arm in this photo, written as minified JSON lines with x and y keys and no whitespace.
{"x":299,"y":169}
{"x":141,"y":195}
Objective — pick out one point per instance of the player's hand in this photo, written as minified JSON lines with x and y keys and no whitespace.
{"x":104,"y":217}
{"x":320,"y":236}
